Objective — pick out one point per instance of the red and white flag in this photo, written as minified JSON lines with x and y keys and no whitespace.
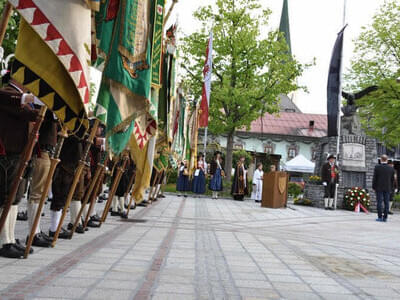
{"x":205,"y":99}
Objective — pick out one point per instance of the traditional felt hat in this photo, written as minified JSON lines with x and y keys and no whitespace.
{"x":331,"y":156}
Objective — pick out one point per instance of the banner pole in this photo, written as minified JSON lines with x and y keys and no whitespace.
{"x":340,"y":105}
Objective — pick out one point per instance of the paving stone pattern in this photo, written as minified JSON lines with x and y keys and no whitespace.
{"x":198,"y":248}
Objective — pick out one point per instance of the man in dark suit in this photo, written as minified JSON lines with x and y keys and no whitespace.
{"x":382,"y":184}
{"x":330,"y":178}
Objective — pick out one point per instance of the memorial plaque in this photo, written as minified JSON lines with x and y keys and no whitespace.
{"x":353,"y":179}
{"x":353,"y":155}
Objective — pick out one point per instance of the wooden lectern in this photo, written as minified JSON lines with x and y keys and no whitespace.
{"x":275,"y":189}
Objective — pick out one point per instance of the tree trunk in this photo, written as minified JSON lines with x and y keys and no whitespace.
{"x":228,"y":158}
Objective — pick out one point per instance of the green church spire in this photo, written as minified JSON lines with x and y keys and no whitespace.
{"x":284,"y":25}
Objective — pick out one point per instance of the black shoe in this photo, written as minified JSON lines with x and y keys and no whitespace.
{"x":143,"y":204}
{"x":326,"y":208}
{"x":64,"y":234}
{"x":99,"y":201}
{"x":21,"y":247}
{"x":115,"y":213}
{"x":102,"y":197}
{"x":390,"y":213}
{"x":40,"y":241}
{"x":185,"y":196}
{"x":92,"y":223}
{"x":45,"y":236}
{"x":80,"y":229}
{"x":161,"y":196}
{"x":10,"y":251}
{"x":124,"y":215}
{"x":70,"y":226}
{"x":95,"y":218}
{"x":22,"y":216}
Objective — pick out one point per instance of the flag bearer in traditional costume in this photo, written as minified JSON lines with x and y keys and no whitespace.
{"x":95,"y":156}
{"x":183,"y":184}
{"x":199,"y":181}
{"x":40,"y":169}
{"x":77,"y":199}
{"x":258,"y":183}
{"x":123,"y":186}
{"x":330,"y":178}
{"x":16,"y":111}
{"x":239,"y":185}
{"x":70,"y":155}
{"x":217,"y":173}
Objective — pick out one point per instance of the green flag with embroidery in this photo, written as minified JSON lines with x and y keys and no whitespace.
{"x":123,"y":31}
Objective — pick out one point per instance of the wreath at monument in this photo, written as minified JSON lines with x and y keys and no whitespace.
{"x":357,"y":198}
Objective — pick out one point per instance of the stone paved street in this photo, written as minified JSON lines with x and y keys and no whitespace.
{"x":199,"y":248}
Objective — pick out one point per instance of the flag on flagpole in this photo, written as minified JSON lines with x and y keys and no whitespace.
{"x":207,"y":71}
{"x":334,"y":86}
{"x":123,"y":104}
{"x":52,"y":57}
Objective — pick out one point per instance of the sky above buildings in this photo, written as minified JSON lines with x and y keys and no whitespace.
{"x":314,"y":25}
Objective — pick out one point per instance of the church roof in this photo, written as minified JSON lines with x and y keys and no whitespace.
{"x":292,"y":124}
{"x":287,"y":105}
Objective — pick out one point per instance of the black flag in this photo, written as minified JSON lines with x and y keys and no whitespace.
{"x":334,"y":85}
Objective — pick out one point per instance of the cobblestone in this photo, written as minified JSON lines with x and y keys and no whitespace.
{"x":198,"y":248}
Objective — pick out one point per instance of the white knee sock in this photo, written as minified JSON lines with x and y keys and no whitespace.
{"x":330,"y":202}
{"x":122,"y":203}
{"x":93,"y":212}
{"x":85,"y":211}
{"x":74,"y":210}
{"x":115,"y":204}
{"x":390,"y":205}
{"x":326,"y":200}
{"x":158,"y":190}
{"x":32,"y":210}
{"x":55,"y":217}
{"x":13,"y":220}
{"x":5,"y":233}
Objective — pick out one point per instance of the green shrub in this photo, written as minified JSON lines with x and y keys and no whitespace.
{"x":172,"y":176}
{"x":303,"y":201}
{"x":294,"y":189}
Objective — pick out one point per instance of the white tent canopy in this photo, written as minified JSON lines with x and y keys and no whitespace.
{"x":300,"y":164}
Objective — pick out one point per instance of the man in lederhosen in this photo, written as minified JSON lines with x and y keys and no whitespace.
{"x":16,"y":111}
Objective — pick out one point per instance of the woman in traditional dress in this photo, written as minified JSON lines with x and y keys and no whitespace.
{"x":239,"y":185}
{"x":183,"y":179}
{"x":199,"y":181}
{"x":216,"y":173}
{"x":257,"y":183}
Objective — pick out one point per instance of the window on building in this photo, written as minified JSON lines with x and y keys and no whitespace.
{"x":313,"y":154}
{"x":292,"y":152}
{"x":269,"y":149}
{"x":238,"y":146}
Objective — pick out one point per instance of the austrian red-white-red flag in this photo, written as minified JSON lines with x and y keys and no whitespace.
{"x":205,"y":99}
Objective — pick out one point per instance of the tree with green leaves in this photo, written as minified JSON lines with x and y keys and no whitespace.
{"x":376,"y":62}
{"x":250,"y":69}
{"x":10,"y":38}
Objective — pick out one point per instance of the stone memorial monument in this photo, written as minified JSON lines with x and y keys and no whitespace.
{"x":357,"y":159}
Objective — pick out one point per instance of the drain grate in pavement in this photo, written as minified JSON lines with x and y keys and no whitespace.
{"x":134,"y":220}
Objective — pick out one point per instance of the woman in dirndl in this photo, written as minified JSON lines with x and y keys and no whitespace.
{"x":199,"y":181}
{"x":216,"y":173}
{"x":182,"y":184}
